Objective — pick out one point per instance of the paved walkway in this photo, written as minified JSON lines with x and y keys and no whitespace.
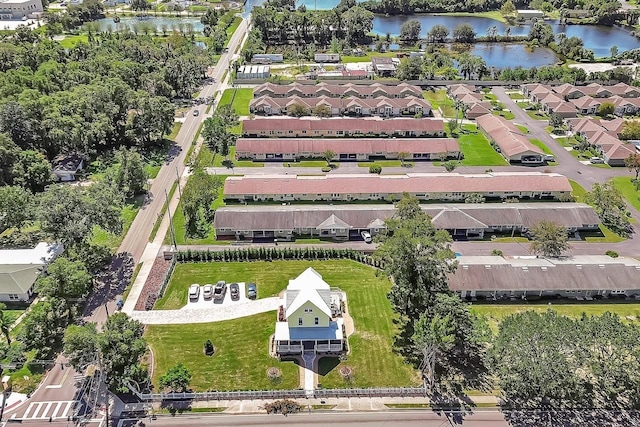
{"x":206,"y":315}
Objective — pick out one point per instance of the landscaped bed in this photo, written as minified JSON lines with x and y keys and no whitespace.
{"x":372,"y":358}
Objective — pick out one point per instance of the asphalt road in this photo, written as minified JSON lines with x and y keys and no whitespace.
{"x":59,"y":385}
{"x":344,"y":419}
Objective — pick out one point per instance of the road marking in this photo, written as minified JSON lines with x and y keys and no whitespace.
{"x":64,"y":378}
{"x":59,"y":409}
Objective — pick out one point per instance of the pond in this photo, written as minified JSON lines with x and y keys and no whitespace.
{"x":502,"y":55}
{"x":598,"y":38}
{"x":151,"y":24}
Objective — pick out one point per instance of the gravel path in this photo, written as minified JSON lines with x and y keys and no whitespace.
{"x":206,"y":315}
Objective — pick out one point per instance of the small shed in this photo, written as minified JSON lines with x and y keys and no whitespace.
{"x":65,"y":167}
{"x":527,"y":14}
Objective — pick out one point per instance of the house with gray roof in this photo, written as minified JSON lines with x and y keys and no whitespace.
{"x":346,"y":222}
{"x":20,"y":268}
{"x":585,"y":277}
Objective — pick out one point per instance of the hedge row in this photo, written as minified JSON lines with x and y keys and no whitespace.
{"x":271,"y":254}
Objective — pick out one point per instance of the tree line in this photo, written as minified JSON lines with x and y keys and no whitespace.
{"x":92,"y":98}
{"x":538,"y":360}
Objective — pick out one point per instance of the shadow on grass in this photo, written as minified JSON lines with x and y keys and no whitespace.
{"x":176,"y":406}
{"x":327,"y":364}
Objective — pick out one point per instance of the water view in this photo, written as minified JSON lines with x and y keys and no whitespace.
{"x":502,"y":55}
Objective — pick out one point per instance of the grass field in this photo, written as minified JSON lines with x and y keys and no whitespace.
{"x":241,"y":359}
{"x":439,"y":99}
{"x":233,"y":27}
{"x":505,"y":113}
{"x":69,"y":42}
{"x":628,"y":190}
{"x":541,"y":145}
{"x":218,"y":159}
{"x":516,"y":95}
{"x":495,"y":15}
{"x":477,"y":150}
{"x":495,"y":312}
{"x":239,"y":102}
{"x":523,"y":129}
{"x":607,"y":236}
{"x":345,"y":59}
{"x":537,"y":115}
{"x":372,"y":358}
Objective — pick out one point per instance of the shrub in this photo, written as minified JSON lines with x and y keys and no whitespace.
{"x":497,"y":252}
{"x":326,"y":169}
{"x":612,"y":254}
{"x":375,"y":169}
{"x":283,"y":407}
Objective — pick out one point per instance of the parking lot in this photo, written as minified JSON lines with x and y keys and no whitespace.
{"x":201,"y":302}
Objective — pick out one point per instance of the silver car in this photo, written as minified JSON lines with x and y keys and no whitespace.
{"x":207,"y":291}
{"x":194,"y":292}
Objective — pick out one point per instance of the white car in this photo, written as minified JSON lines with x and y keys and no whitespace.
{"x":194,"y":291}
{"x":596,"y":160}
{"x":207,"y":291}
{"x":366,"y":236}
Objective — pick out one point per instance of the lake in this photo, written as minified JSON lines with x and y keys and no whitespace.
{"x":598,"y":38}
{"x":503,"y":55}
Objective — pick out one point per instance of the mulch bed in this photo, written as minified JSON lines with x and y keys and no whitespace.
{"x":151,"y":287}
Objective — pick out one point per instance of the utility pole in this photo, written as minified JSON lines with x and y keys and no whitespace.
{"x":179,"y":190}
{"x":173,"y":234}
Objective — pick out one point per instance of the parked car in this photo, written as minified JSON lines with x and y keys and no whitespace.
{"x":596,"y":160}
{"x":235,"y":291}
{"x":366,"y":236}
{"x":252,"y":291}
{"x":219,"y":291}
{"x":207,"y":291}
{"x":194,"y":291}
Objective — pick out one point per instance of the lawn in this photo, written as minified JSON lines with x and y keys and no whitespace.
{"x":516,"y":95}
{"x":606,"y":236}
{"x":537,"y":115}
{"x":541,"y":145}
{"x":495,"y":15}
{"x":345,"y":59}
{"x":495,"y":312}
{"x":477,"y":150}
{"x":439,"y":99}
{"x":69,"y":42}
{"x":372,"y":357}
{"x":505,"y":113}
{"x":241,"y":359}
{"x":628,"y":190}
{"x":233,"y":27}
{"x":310,"y":164}
{"x":523,"y":129}
{"x":129,"y":212}
{"x":577,"y":191}
{"x":218,"y":159}
{"x":384,"y":163}
{"x":239,"y":100}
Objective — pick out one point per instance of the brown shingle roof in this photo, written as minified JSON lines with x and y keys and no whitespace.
{"x":506,"y":135}
{"x":258,"y":125}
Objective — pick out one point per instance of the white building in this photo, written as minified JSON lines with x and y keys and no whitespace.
{"x":19,"y":269}
{"x":308,"y":319}
{"x":17,"y":9}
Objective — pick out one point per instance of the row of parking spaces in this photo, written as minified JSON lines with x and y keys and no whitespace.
{"x":220,"y":294}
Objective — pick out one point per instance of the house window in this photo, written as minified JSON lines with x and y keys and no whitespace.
{"x":308,"y":310}
{"x":316,"y":321}
{"x":299,"y":321}
{"x":13,"y":297}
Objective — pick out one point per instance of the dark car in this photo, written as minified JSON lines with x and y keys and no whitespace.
{"x":252,"y":291}
{"x":235,"y":291}
{"x":219,"y":291}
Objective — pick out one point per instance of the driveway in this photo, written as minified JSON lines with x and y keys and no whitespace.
{"x":212,"y":313}
{"x":211,"y":304}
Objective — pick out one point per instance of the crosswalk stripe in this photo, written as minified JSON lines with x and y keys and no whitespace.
{"x":59,"y":409}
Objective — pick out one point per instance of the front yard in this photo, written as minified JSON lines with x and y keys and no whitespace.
{"x":241,"y":360}
{"x":239,"y":100}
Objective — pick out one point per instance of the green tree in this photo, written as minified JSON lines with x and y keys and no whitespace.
{"x":8,"y":154}
{"x":328,"y":155}
{"x":630,"y":130}
{"x":606,"y":109}
{"x":464,"y":33}
{"x":609,"y":205}
{"x":129,"y":174}
{"x":197,"y":200}
{"x":32,"y":171}
{"x":216,"y":130}
{"x":450,"y":165}
{"x":409,"y":69}
{"x":16,"y":207}
{"x":438,"y":34}
{"x":69,"y":213}
{"x":458,"y":341}
{"x":321,"y":111}
{"x":43,"y":327}
{"x":358,"y":23}
{"x":556,"y":121}
{"x":121,"y":346}
{"x":404,"y":156}
{"x":176,"y":380}
{"x":298,"y":110}
{"x":140,"y":5}
{"x":151,"y":119}
{"x":410,"y":31}
{"x":81,"y":345}
{"x":418,"y":258}
{"x":613,"y":51}
{"x":66,"y":280}
{"x":5,"y":322}
{"x":549,"y":239}
{"x":508,"y":9}
{"x":632,"y":162}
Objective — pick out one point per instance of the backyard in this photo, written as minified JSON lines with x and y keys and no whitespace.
{"x":439,"y":99}
{"x":630,"y":192}
{"x":477,"y":150}
{"x":372,"y":358}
